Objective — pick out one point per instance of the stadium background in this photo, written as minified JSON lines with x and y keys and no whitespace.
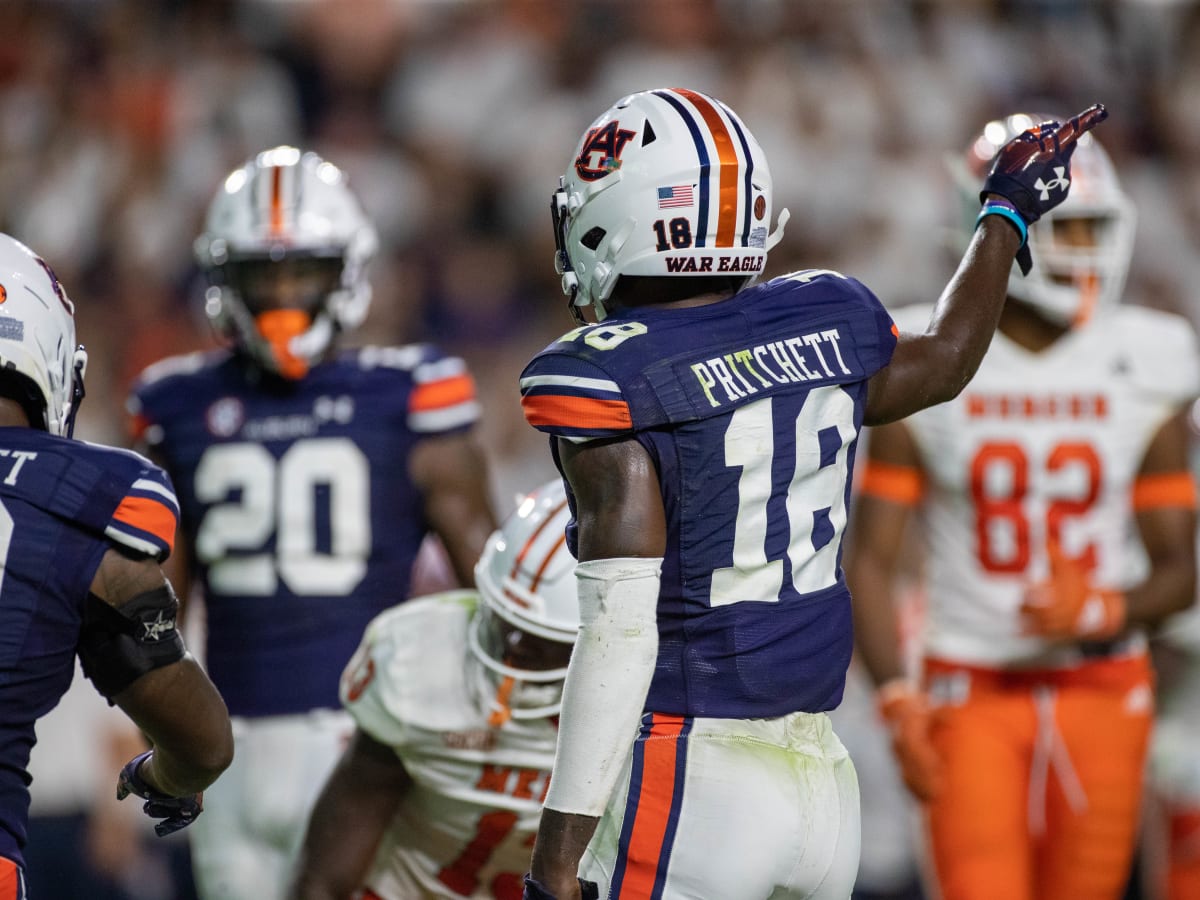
{"x":118,"y":119}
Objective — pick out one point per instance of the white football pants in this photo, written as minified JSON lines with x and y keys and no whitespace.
{"x":245,"y":843}
{"x":735,"y":809}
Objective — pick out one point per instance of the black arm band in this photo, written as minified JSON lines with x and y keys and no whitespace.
{"x":119,"y":645}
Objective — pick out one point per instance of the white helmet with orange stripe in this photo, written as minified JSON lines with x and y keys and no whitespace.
{"x":37,"y":341}
{"x":1081,"y":249}
{"x":665,"y":183}
{"x":286,"y":247}
{"x":529,"y":609}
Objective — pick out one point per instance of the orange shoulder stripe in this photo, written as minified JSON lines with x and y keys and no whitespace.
{"x":576,"y":412}
{"x":1168,"y":489}
{"x":442,"y":393}
{"x":148,"y":515}
{"x":899,"y":484}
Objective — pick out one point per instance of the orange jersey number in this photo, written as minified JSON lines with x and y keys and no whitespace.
{"x":999,"y":483}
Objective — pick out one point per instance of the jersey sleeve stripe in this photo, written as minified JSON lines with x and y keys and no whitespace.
{"x":141,"y":544}
{"x":153,"y":487}
{"x":596,"y":385}
{"x":899,"y":484}
{"x":1170,"y":489}
{"x":444,"y":418}
{"x":577,"y":414}
{"x":144,"y":516}
{"x":443,"y":393}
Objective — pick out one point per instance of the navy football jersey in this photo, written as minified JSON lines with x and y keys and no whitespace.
{"x":750,"y":409}
{"x":63,"y":504}
{"x":297,"y":504}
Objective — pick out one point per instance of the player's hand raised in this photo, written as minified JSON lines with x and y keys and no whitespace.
{"x":1033,"y":170}
{"x":1032,"y":174}
{"x":175,"y":812}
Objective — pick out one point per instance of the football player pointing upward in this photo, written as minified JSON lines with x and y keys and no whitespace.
{"x":1069,"y":439}
{"x":307,"y":481}
{"x":706,"y":430}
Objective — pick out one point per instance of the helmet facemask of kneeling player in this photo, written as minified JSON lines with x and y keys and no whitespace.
{"x":286,"y":247}
{"x":528,"y":614}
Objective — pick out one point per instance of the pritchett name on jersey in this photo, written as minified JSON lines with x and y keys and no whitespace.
{"x":745,"y":372}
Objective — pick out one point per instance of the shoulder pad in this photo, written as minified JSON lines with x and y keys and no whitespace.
{"x":404,"y":358}
{"x":1163,"y":357}
{"x":408,"y":672}
{"x":184,"y":364}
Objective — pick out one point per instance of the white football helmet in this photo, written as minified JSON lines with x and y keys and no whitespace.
{"x":37,"y":339}
{"x":666,"y":182}
{"x":526,"y":582}
{"x":1070,"y":278}
{"x":286,"y":206}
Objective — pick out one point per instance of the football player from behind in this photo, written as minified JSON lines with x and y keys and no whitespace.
{"x":456,"y":699}
{"x":307,"y":480}
{"x":706,"y":428}
{"x":1026,"y":734}
{"x":83,"y":529}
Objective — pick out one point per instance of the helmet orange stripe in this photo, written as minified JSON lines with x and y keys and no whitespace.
{"x":541,"y":570}
{"x":277,"y":200}
{"x":729,"y":166}
{"x":520,"y":558}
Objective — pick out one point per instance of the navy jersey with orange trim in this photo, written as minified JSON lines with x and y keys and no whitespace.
{"x":63,"y":504}
{"x":297,"y":504}
{"x":750,"y":409}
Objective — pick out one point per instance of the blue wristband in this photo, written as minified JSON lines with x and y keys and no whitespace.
{"x":1006,"y":210}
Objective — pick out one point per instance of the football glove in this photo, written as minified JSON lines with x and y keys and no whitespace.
{"x":535,"y":890}
{"x":1033,"y":170}
{"x":905,"y":710}
{"x":1067,"y":605}
{"x":175,"y":812}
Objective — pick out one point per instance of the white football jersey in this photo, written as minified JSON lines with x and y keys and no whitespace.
{"x":1041,"y":445}
{"x":466,"y":828}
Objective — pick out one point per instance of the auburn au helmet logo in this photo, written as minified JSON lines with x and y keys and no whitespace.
{"x":602,"y":148}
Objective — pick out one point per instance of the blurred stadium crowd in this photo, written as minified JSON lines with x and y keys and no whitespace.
{"x":119,"y":117}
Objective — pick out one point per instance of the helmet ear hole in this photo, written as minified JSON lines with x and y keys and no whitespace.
{"x":592,"y":239}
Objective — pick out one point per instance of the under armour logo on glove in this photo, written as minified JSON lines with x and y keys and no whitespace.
{"x":1033,"y":170}
{"x":1059,"y":181}
{"x":175,"y":812}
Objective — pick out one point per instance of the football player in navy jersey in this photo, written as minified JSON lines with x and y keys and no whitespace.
{"x":83,"y":529}
{"x":706,"y":431}
{"x":307,"y":481}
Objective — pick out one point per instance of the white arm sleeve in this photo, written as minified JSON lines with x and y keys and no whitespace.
{"x":607,"y":680}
